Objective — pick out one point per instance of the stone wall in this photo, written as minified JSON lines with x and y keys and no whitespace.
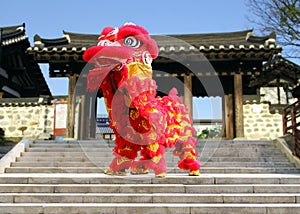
{"x":35,"y":116}
{"x":27,"y":117}
{"x":259,"y":123}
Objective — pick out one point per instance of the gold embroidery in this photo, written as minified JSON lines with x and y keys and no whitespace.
{"x":134,"y":114}
{"x":140,"y":70}
{"x":144,"y":124}
{"x":122,"y":160}
{"x":156,"y":159}
{"x":153,"y":147}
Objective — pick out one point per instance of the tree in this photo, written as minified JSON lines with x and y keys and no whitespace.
{"x":281,"y":17}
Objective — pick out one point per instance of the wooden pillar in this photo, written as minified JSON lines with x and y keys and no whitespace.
{"x":87,"y":127}
{"x":82,"y":122}
{"x":238,"y":105}
{"x":71,"y":107}
{"x":278,"y":91}
{"x":228,"y":116}
{"x":188,"y":96}
{"x":92,"y":116}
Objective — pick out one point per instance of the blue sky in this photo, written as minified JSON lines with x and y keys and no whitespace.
{"x":50,"y":18}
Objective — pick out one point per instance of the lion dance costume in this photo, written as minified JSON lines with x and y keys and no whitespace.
{"x":141,"y":121}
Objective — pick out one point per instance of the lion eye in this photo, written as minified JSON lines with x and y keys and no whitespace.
{"x":104,"y":43}
{"x":132,"y":42}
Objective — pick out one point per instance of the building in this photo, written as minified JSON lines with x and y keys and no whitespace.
{"x":233,"y":65}
{"x":236,"y":66}
{"x":24,"y":94}
{"x":20,"y":74}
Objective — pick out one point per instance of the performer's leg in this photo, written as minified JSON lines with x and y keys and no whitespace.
{"x":125,"y":152}
{"x":188,"y":155}
{"x":152,"y":158}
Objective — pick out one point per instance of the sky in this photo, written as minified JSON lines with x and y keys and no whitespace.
{"x":50,"y":18}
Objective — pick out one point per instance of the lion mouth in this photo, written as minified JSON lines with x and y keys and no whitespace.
{"x":108,"y":62}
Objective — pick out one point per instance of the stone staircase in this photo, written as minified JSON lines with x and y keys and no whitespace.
{"x":66,"y":177}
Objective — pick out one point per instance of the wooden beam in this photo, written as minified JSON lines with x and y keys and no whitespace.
{"x":238,"y":105}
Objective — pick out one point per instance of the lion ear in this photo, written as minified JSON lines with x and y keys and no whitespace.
{"x":105,"y":31}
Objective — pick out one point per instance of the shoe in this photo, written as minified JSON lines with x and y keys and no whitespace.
{"x":194,"y":173}
{"x":118,"y":173}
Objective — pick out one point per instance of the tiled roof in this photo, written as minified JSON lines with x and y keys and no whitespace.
{"x":241,"y":41}
{"x":13,"y":34}
{"x":280,"y":62}
{"x":30,"y":101}
{"x":278,"y":67}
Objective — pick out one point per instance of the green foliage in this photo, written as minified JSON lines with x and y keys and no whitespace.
{"x":210,"y":133}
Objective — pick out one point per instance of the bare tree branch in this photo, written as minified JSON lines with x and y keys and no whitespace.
{"x":281,"y":17}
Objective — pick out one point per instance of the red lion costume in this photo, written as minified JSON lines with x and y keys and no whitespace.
{"x":142,"y":121}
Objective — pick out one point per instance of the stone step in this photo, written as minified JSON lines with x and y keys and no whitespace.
{"x":108,"y":158}
{"x":206,"y":141}
{"x":236,"y":142}
{"x":170,"y":169}
{"x":225,"y":143}
{"x":61,"y":159}
{"x":65,"y":154}
{"x":241,"y":154}
{"x":236,"y":177}
{"x":148,"y":208}
{"x":247,"y":164}
{"x":97,"y":158}
{"x":261,"y":198}
{"x":233,"y":148}
{"x":149,"y":188}
{"x":107,"y":161}
{"x":108,"y":153}
{"x":223,"y":151}
{"x":57,"y":164}
{"x":244,"y":159}
{"x":68,"y":146}
{"x":208,"y":145}
{"x":65,"y":150}
{"x":71,"y":142}
{"x":200,"y":143}
{"x":99,"y":178}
